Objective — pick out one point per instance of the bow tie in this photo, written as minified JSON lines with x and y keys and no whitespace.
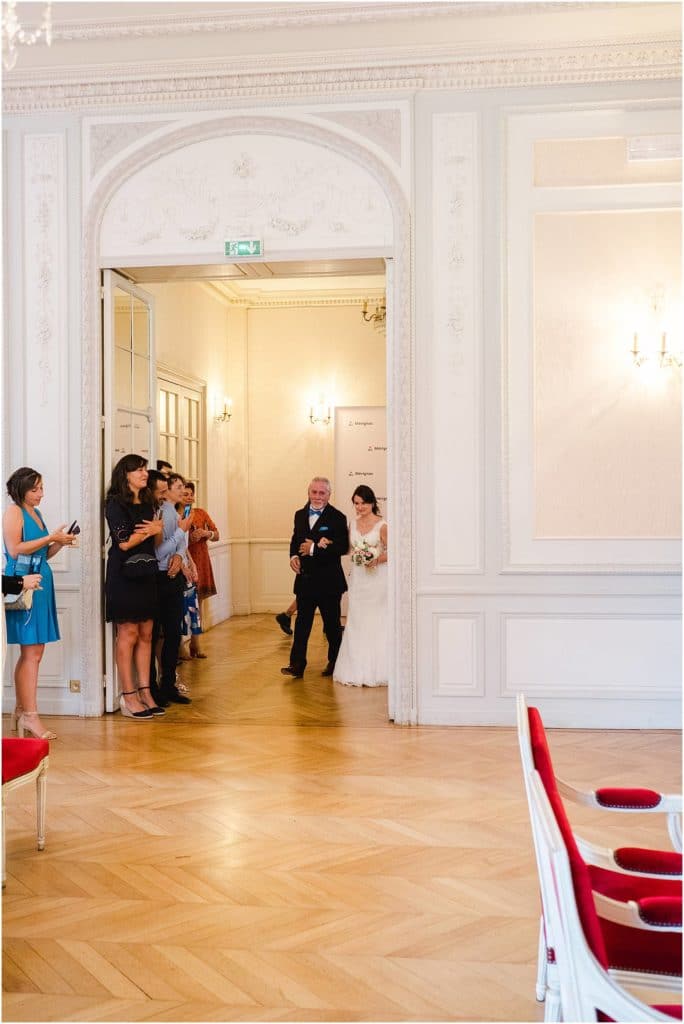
{"x":315,"y":511}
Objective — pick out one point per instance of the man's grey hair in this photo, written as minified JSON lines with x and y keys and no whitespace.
{"x":322,"y":480}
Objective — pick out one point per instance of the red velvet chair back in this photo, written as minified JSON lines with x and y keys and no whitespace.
{"x":580,"y":874}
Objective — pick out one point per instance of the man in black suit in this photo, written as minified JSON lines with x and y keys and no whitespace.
{"x":319,"y":540}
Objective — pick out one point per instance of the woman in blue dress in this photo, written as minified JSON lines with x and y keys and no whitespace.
{"x":28,"y":546}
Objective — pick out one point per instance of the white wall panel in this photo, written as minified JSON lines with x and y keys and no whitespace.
{"x":43,"y":411}
{"x":457,"y":428}
{"x":605,"y":656}
{"x":459,"y":644}
{"x":218,"y":607}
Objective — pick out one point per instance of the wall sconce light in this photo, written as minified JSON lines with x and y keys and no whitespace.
{"x":665,"y":359}
{"x":378,"y":318}
{"x":320,"y":412}
{"x":224,"y":412}
{"x":653,"y":330}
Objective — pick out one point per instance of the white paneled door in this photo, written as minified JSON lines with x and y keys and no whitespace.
{"x":128,"y":401}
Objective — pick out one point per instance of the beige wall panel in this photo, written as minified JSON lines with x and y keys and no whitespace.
{"x":294,"y":356}
{"x":607,"y":434}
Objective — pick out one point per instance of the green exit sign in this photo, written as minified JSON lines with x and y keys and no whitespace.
{"x":243,"y":247}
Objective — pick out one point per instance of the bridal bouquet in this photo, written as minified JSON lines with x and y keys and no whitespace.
{"x":363,"y":553}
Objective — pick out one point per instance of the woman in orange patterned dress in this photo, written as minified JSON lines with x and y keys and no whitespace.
{"x":202,"y":530}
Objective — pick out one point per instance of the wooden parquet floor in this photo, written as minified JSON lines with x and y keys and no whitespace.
{"x":278,"y":851}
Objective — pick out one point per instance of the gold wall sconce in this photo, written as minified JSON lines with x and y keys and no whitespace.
{"x":378,"y":318}
{"x":224,"y":411}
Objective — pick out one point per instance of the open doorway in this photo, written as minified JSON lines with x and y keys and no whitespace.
{"x":266,"y":352}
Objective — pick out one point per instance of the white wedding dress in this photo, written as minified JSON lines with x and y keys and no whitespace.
{"x":363,"y":656}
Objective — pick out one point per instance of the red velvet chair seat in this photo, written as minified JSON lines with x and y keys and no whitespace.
{"x":19,"y":757}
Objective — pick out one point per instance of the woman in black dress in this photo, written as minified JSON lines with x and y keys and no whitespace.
{"x":131,"y":602}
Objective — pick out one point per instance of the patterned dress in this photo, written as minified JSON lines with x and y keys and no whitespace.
{"x":199,"y":552}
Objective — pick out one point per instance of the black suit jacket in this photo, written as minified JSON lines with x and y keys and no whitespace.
{"x":322,"y":572}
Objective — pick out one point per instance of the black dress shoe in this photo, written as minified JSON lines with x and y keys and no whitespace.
{"x":284,"y":621}
{"x":289,"y":671}
{"x":328,"y":670}
{"x":176,"y":698}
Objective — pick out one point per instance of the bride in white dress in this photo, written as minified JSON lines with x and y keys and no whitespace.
{"x":362,"y":660}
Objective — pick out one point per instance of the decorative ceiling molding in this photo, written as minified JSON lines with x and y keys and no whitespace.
{"x":295,"y":299}
{"x":251,"y":17}
{"x":196,"y":84}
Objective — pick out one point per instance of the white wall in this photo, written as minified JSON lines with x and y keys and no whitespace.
{"x":490,"y":602}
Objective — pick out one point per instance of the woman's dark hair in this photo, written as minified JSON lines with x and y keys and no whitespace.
{"x":366,"y":494}
{"x":190,"y":486}
{"x":21,"y":481}
{"x":118,"y":487}
{"x":172,"y":477}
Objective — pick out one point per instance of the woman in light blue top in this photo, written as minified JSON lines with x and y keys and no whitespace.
{"x":28,"y":546}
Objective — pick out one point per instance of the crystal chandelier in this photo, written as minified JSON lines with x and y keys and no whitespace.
{"x":14,"y":35}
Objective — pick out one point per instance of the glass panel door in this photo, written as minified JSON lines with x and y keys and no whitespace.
{"x":128,"y":402}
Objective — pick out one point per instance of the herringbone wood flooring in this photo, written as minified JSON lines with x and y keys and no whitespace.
{"x":279,"y":851}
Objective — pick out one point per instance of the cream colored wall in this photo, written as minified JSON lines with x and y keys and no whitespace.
{"x":272,"y":362}
{"x":193,"y":330}
{"x":607,"y":433}
{"x":295,"y":355}
{"x":292,"y":356}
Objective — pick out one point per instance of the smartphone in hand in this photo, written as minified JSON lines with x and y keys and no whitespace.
{"x":74,"y":528}
{"x":186,"y":511}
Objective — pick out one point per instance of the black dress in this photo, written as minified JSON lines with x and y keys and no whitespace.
{"x":128,"y":600}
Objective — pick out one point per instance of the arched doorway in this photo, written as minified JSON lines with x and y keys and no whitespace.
{"x":402,"y":696}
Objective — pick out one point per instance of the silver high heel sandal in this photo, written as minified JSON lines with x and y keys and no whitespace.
{"x":14,"y":715}
{"x":142,"y":716}
{"x":23,"y":726}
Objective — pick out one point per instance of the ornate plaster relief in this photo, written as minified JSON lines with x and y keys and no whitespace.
{"x":383,"y":127}
{"x":111,"y":137}
{"x":289,"y":193}
{"x":457,"y":357}
{"x":45,"y":325}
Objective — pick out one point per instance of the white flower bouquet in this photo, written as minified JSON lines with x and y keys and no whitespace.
{"x":363,"y":553}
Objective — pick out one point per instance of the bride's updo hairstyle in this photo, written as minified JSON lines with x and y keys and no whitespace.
{"x":366,"y":494}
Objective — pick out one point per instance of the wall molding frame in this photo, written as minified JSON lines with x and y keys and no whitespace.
{"x":193,"y":84}
{"x":400,"y":358}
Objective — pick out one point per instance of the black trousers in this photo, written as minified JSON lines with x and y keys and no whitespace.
{"x":329,"y":607}
{"x":169,"y":621}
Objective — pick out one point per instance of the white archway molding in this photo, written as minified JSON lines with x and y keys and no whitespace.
{"x":400,"y":357}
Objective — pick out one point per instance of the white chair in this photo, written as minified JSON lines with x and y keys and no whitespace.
{"x":634,"y":873}
{"x":23,"y":761}
{"x":587,"y":989}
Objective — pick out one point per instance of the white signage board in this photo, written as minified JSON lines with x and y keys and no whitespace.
{"x":360,"y":458}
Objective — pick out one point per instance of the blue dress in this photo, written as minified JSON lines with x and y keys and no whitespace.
{"x":39,"y":625}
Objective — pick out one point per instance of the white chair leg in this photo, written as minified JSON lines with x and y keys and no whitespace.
{"x":541,"y":963}
{"x":41,"y":794}
{"x":552,"y":1004}
{"x":674,"y":827}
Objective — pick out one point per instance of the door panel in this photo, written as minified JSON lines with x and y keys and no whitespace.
{"x":128,"y":401}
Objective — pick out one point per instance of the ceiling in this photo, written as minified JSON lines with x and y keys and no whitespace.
{"x":301,"y":277}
